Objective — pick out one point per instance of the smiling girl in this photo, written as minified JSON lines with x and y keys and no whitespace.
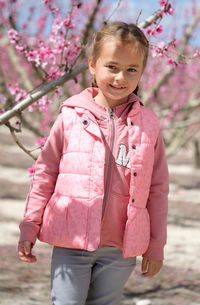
{"x":100,"y":187}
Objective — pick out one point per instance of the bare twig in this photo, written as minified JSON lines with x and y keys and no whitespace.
{"x":12,"y":131}
{"x":90,"y":22}
{"x":183,"y":124}
{"x":30,"y":127}
{"x":66,"y":32}
{"x":170,"y":70}
{"x":191,"y":105}
{"x":112,"y":13}
{"x":181,"y":142}
{"x":138,"y":17}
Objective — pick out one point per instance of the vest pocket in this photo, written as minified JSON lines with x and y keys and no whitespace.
{"x":54,"y":220}
{"x":137,"y":233}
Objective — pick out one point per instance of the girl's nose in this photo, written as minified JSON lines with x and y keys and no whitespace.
{"x":120,"y":75}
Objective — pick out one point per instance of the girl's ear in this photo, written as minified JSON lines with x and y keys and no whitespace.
{"x":91,"y":66}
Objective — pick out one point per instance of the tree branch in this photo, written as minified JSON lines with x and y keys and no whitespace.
{"x":182,"y":141}
{"x":15,"y":62}
{"x":12,"y":131}
{"x":58,"y":82}
{"x":169,"y":72}
{"x":90,"y":22}
{"x":41,"y":92}
{"x":150,"y":19}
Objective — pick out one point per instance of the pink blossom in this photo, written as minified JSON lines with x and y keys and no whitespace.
{"x":41,"y":141}
{"x":41,"y":22}
{"x":161,"y":45}
{"x":31,"y":108}
{"x":13,"y":36}
{"x":31,"y":171}
{"x":66,"y":22}
{"x":44,"y":52}
{"x":31,"y":9}
{"x":172,"y":62}
{"x":162,"y":3}
{"x":149,"y":31}
{"x":58,"y":92}
{"x":2,"y":4}
{"x":21,"y":48}
{"x":54,"y":73}
{"x":196,"y":54}
{"x":58,"y":48}
{"x":159,"y":50}
{"x":13,"y":88}
{"x":44,"y":103}
{"x":159,"y":29}
{"x":170,"y":11}
{"x":52,"y":59}
{"x":47,"y":118}
{"x":20,"y":95}
{"x":31,"y":55}
{"x":56,"y":25}
{"x":160,"y":14}
{"x":24,"y":26}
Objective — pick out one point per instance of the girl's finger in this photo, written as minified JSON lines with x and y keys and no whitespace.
{"x":27,"y":247}
{"x":144,"y":264}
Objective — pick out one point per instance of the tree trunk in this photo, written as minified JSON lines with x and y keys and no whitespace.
{"x":196,"y":154}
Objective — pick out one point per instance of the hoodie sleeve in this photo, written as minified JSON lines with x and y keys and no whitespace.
{"x":157,"y":204}
{"x":44,"y":180}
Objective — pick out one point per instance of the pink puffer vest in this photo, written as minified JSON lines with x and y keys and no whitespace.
{"x":72,"y":217}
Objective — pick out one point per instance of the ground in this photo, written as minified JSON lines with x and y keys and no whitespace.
{"x":29,"y":284}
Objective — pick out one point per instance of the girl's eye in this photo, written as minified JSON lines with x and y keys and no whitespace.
{"x":111,"y":67}
{"x":132,"y":70}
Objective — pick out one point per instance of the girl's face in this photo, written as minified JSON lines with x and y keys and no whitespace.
{"x":117,"y":71}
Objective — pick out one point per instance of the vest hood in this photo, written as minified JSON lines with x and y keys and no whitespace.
{"x":85,"y":100}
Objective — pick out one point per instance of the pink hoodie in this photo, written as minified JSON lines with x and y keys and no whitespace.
{"x":114,"y":131}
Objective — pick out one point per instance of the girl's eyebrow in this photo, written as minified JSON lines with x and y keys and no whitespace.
{"x":116,"y":63}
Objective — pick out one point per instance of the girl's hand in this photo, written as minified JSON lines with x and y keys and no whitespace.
{"x":150,"y":267}
{"x":24,"y":251}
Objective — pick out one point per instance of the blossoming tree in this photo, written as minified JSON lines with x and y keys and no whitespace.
{"x":43,"y":63}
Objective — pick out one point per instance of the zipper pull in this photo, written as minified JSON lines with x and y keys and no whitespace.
{"x":111,"y":113}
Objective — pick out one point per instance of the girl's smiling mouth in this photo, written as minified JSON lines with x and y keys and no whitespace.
{"x":117,"y":87}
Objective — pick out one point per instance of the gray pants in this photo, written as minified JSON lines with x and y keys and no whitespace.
{"x":93,"y":278}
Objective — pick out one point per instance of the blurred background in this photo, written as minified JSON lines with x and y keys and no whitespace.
{"x":40,"y":41}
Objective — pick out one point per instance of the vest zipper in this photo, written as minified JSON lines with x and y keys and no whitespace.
{"x":110,"y":158}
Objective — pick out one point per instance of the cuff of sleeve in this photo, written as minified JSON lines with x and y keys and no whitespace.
{"x":154,"y":252}
{"x":28,"y":232}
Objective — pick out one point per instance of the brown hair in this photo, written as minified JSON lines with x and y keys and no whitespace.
{"x":125,"y":33}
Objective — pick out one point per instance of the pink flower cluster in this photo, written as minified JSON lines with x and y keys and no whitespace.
{"x":41,"y":141}
{"x":14,"y":36}
{"x":160,"y":50}
{"x":165,"y":8}
{"x":164,"y":4}
{"x":2,"y":4}
{"x":154,"y":31}
{"x":42,"y":104}
{"x":31,"y":171}
{"x":172,"y":62}
{"x":196,"y":54}
{"x":18,"y":92}
{"x":56,"y":51}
